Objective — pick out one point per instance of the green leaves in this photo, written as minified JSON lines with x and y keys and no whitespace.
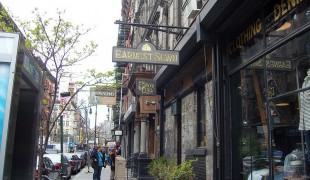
{"x":165,"y":169}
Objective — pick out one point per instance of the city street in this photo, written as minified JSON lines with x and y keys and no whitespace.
{"x":84,"y":175}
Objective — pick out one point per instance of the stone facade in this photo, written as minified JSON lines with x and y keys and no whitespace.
{"x":210,"y":133}
{"x":170,"y":136}
{"x":189,"y":125}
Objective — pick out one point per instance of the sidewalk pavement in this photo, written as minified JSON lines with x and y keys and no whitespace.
{"x":84,"y":175}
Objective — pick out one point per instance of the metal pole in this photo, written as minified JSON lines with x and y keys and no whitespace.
{"x":86,"y":116}
{"x":61,"y":144}
{"x":120,"y":104}
{"x":96,"y":125}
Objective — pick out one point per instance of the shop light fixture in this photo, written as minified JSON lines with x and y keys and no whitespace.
{"x":282,"y":104}
{"x":285,"y":26}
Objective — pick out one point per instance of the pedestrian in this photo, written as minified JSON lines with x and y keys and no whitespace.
{"x":98,"y":162}
{"x":89,"y":161}
{"x":107,"y":159}
{"x":119,"y":151}
{"x":112,"y":159}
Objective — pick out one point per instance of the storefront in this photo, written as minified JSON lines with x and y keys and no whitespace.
{"x":186,"y":133}
{"x":268,"y":70}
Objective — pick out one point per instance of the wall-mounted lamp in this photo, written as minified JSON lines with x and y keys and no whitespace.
{"x":150,"y":102}
{"x":285,"y":26}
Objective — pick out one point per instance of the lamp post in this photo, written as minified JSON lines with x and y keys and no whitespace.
{"x":86,"y":115}
{"x":90,"y":112}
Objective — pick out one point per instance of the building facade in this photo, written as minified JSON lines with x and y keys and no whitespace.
{"x":237,"y":101}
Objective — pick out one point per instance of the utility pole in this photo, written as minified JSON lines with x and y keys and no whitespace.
{"x":96,"y":126}
{"x":61,"y":144}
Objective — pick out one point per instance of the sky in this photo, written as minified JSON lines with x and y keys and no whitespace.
{"x":99,"y":15}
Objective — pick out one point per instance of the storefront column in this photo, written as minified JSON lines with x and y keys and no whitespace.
{"x":143,"y":135}
{"x":136,"y":138}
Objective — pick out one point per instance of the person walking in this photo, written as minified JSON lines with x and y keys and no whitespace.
{"x":88,"y":160}
{"x":98,"y":162}
{"x":112,"y":159}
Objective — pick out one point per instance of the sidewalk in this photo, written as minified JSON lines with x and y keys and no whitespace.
{"x":84,"y":175}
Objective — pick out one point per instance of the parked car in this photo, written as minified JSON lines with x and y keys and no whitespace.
{"x":75,"y":163}
{"x":77,"y":158}
{"x":67,"y":168}
{"x":51,"y":151}
{"x":49,"y":170}
{"x":83,"y":156}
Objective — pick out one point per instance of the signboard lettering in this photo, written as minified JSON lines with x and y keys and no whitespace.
{"x":284,"y":7}
{"x":103,"y":95}
{"x":145,"y":53}
{"x":145,"y":87}
{"x":272,"y":64}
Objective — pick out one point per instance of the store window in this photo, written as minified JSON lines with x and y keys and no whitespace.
{"x":270,"y":126}
{"x":285,"y":17}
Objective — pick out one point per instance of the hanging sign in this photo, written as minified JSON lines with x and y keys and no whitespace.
{"x":103,"y":95}
{"x":145,"y":53}
{"x":145,"y":88}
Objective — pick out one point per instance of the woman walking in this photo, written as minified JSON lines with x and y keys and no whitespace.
{"x":98,"y":162}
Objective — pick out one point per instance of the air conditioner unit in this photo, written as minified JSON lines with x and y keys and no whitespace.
{"x":193,"y":13}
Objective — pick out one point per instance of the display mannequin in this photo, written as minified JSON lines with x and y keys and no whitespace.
{"x":304,"y":111}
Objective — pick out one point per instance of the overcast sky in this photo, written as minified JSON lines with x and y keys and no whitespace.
{"x":97,"y":14}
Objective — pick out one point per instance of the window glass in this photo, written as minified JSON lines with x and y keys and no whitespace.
{"x":249,"y":123}
{"x":247,"y":43}
{"x":270,"y":113}
{"x":285,"y":17}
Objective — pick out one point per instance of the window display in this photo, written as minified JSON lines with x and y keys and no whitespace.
{"x":271,"y":114}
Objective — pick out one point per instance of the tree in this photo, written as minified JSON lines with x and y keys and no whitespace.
{"x":55,"y":44}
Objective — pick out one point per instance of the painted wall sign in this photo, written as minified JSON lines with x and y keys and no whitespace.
{"x":145,"y":87}
{"x":284,"y":7}
{"x":145,"y":53}
{"x":279,"y":10}
{"x":245,"y":36}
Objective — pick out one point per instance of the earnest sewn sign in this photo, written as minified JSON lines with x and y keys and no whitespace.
{"x":145,"y":53}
